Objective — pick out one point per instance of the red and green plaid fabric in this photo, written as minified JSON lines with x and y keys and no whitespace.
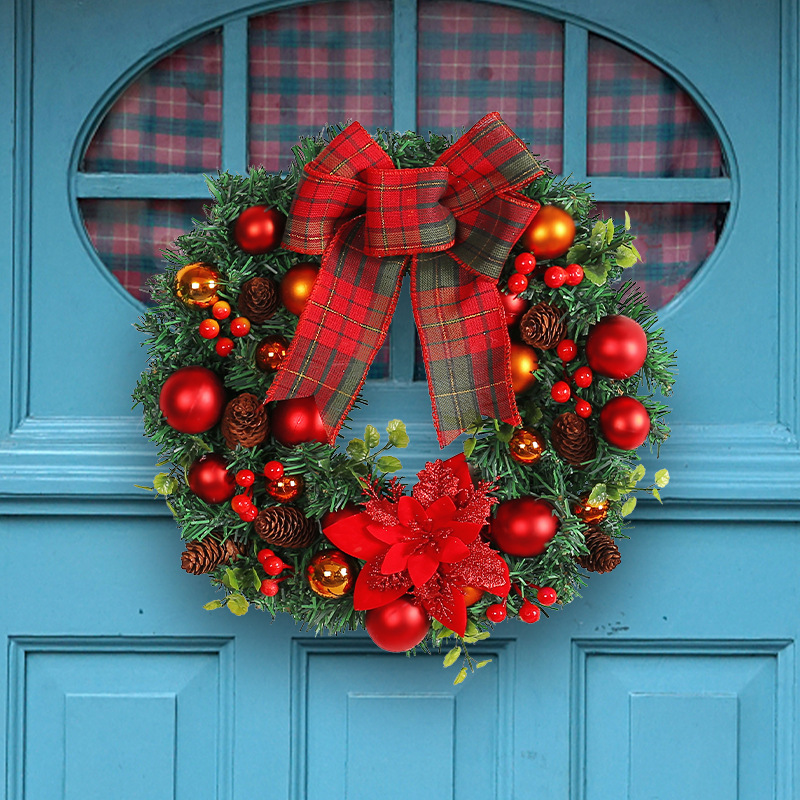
{"x":169,"y":119}
{"x":453,"y":225}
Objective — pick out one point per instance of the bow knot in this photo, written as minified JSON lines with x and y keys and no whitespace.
{"x":371,"y":222}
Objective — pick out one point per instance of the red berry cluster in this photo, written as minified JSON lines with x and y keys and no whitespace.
{"x":528,"y":612}
{"x":242,"y":503}
{"x":209,"y":328}
{"x":273,"y":565}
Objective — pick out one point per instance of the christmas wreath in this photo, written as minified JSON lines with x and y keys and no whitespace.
{"x":265,"y":323}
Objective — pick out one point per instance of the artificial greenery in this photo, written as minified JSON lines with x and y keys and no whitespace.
{"x":334,"y":477}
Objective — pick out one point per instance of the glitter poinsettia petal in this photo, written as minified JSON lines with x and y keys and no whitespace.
{"x":374,"y":589}
{"x":353,"y":537}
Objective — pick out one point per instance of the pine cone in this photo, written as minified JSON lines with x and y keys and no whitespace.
{"x":258,"y":299}
{"x":245,"y":421}
{"x":203,"y":555}
{"x":573,"y":439}
{"x":542,"y":326}
{"x":232,"y":550}
{"x":284,"y":526}
{"x":603,"y":553}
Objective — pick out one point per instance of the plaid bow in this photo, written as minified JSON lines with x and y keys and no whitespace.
{"x":453,"y":226}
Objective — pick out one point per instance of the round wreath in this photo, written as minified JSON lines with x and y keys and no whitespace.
{"x":280,"y":518}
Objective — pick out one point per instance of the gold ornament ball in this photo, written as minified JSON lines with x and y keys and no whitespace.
{"x":197,"y":284}
{"x":590,"y":512}
{"x":550,"y":234}
{"x":526,"y":446}
{"x":524,"y":362}
{"x":286,"y":488}
{"x":270,"y":352}
{"x":471,"y":595}
{"x":296,"y":286}
{"x":330,"y":574}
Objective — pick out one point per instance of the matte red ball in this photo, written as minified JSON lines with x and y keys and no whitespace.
{"x":514,"y":307}
{"x":398,"y":626}
{"x":296,"y":421}
{"x":210,"y":480}
{"x":624,"y":422}
{"x":523,"y":526}
{"x":616,"y":347}
{"x":192,"y":399}
{"x":259,"y":229}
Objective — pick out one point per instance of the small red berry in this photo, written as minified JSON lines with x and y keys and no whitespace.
{"x":555,"y":277}
{"x":249,"y":514}
{"x":496,"y":612}
{"x":583,"y":377}
{"x":240,"y":326}
{"x":273,"y":470}
{"x":223,"y":346}
{"x":517,"y":283}
{"x":529,"y":612}
{"x":574,"y":274}
{"x":221,"y":309}
{"x":546,"y":596}
{"x":560,"y":392}
{"x":245,"y":477}
{"x":566,"y":350}
{"x":274,"y":565}
{"x":240,"y":502}
{"x":525,"y":263}
{"x":582,"y":408}
{"x":209,"y":329}
{"x":269,"y":587}
{"x":263,"y":554}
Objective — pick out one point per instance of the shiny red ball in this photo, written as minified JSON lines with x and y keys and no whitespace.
{"x":296,"y":421}
{"x":249,"y":514}
{"x":223,"y":346}
{"x":263,"y":554}
{"x":561,"y":392}
{"x":555,"y":277}
{"x":245,"y":477}
{"x":523,"y":526}
{"x":624,"y":422}
{"x":221,"y":309}
{"x":210,"y":480}
{"x":269,"y":587}
{"x":583,"y":377}
{"x":350,"y":510}
{"x":209,"y":329}
{"x":496,"y":612}
{"x":192,"y":399}
{"x":259,"y":229}
{"x":398,"y":626}
{"x":566,"y":349}
{"x":240,"y":503}
{"x":529,"y":612}
{"x":546,"y":596}
{"x":517,"y":282}
{"x":273,"y":470}
{"x":616,"y":347}
{"x":582,"y":408}
{"x":525,"y":263}
{"x":240,"y":326}
{"x":514,"y":307}
{"x":574,"y":274}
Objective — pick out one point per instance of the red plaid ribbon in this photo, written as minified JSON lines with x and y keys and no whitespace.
{"x":453,"y":226}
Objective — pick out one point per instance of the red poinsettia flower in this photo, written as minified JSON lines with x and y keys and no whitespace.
{"x":426,"y":543}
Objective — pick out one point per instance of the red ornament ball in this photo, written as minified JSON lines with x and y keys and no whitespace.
{"x":624,"y":422}
{"x":582,"y":377}
{"x":192,"y":399}
{"x":574,"y":274}
{"x":223,"y":346}
{"x":514,"y":307}
{"x":210,"y":480}
{"x":550,"y":234}
{"x":566,"y":349}
{"x":496,"y":612}
{"x":582,"y":408}
{"x":555,"y":277}
{"x":259,"y":229}
{"x":523,"y":526}
{"x":560,"y":392}
{"x":398,"y":626}
{"x":296,"y":421}
{"x":209,"y":329}
{"x":517,"y":282}
{"x":240,"y":326}
{"x":273,"y":470}
{"x":616,"y":347}
{"x":525,"y":263}
{"x":350,"y":510}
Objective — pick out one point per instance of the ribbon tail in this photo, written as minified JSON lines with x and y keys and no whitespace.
{"x":465,"y":345}
{"x":341,"y":328}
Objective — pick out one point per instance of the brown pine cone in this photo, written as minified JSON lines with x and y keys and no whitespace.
{"x":258,"y":299}
{"x":245,"y":421}
{"x":573,"y":439}
{"x":232,"y":550}
{"x":285,"y":526}
{"x":542,"y":326}
{"x":603,"y":553}
{"x":203,"y":555}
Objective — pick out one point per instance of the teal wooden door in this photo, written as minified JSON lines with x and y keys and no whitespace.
{"x":673,"y":678}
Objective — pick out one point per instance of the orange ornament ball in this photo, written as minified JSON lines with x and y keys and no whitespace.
{"x":286,"y":488}
{"x":270,"y":352}
{"x":550,"y":234}
{"x":526,"y":446}
{"x":590,"y":512}
{"x":197,"y":284}
{"x":524,"y":362}
{"x":296,"y":286}
{"x":330,"y":574}
{"x":471,"y":595}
